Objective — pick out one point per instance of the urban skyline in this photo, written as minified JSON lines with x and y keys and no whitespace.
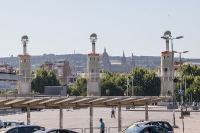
{"x":65,"y":26}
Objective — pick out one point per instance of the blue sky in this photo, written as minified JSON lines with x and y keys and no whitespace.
{"x":64,"y":26}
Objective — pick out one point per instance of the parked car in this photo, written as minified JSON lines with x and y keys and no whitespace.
{"x":163,"y":124}
{"x":1,"y":124}
{"x":13,"y":123}
{"x":144,"y":129}
{"x":20,"y":129}
{"x":56,"y":131}
{"x":35,"y":109}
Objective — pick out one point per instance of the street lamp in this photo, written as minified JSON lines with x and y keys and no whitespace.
{"x":181,"y":80}
{"x":132,"y":86}
{"x":167,"y":36}
{"x":127,"y":84}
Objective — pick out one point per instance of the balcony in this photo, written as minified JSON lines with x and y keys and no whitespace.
{"x":32,"y":76}
{"x":10,"y":76}
{"x":167,"y":74}
{"x":91,"y":75}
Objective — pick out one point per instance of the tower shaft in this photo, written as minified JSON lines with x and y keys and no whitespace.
{"x":93,"y":48}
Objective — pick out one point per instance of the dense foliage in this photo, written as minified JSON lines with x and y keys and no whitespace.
{"x":114,"y":84}
{"x":190,"y":74}
{"x":79,"y":88}
{"x":44,"y":78}
{"x":145,"y":83}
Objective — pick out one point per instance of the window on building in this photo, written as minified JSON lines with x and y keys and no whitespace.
{"x":97,"y":59}
{"x":94,"y":59}
{"x":163,"y":57}
{"x":168,"y":57}
{"x":165,"y":69}
{"x":90,"y":59}
{"x":24,"y":60}
{"x":21,"y":60}
{"x":92,"y":71}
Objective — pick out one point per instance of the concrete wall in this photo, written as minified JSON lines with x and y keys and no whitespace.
{"x":55,"y":90}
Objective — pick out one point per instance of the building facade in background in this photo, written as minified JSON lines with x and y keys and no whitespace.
{"x":61,"y":69}
{"x":116,"y":66}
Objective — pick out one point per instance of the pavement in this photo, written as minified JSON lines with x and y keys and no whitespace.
{"x":78,"y":119}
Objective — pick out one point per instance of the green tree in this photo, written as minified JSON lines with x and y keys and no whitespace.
{"x":114,"y":90}
{"x":4,"y":91}
{"x":79,"y":88}
{"x":195,"y":89}
{"x":112,"y":82}
{"x":44,"y":78}
{"x":145,"y":82}
{"x":190,"y":74}
{"x":107,"y":92}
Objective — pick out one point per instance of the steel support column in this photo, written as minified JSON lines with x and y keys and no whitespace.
{"x":91,"y":118}
{"x":61,"y":117}
{"x":119,"y":118}
{"x":146,"y":112}
{"x":28,"y":115}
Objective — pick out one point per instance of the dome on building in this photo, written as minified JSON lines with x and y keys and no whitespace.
{"x":105,"y":57}
{"x":105,"y":54}
{"x":119,"y":66}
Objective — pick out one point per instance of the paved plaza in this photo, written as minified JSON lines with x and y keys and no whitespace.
{"x":49,"y":118}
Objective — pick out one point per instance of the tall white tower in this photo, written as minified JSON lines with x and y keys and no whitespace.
{"x":166,"y":67}
{"x":93,"y":70}
{"x":25,"y":68}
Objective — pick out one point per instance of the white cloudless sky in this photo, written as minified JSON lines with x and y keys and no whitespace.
{"x":132,"y":26}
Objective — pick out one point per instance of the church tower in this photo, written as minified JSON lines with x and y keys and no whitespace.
{"x":132,"y":62}
{"x":25,"y":68}
{"x":123,"y":60}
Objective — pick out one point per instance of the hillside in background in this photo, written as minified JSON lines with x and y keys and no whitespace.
{"x":140,"y":61}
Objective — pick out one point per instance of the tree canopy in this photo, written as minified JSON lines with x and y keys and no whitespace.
{"x":145,"y":83}
{"x":191,"y":79}
{"x":44,"y":78}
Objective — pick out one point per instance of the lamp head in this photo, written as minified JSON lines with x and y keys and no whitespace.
{"x":25,"y":39}
{"x":179,"y":37}
{"x":167,"y":33}
{"x":93,"y":37}
{"x":185,"y":51}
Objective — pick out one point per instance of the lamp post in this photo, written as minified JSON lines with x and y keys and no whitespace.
{"x":167,"y":36}
{"x":180,"y":81}
{"x":132,"y":87}
{"x":127,"y":84}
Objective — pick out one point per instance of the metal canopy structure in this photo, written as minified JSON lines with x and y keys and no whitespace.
{"x":77,"y":101}
{"x":44,"y":101}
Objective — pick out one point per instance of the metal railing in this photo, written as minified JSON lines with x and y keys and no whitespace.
{"x":109,"y":128}
{"x":75,"y":129}
{"x":94,"y":128}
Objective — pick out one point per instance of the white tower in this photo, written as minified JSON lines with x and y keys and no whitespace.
{"x":25,"y":68}
{"x":93,"y":70}
{"x":166,"y":67}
